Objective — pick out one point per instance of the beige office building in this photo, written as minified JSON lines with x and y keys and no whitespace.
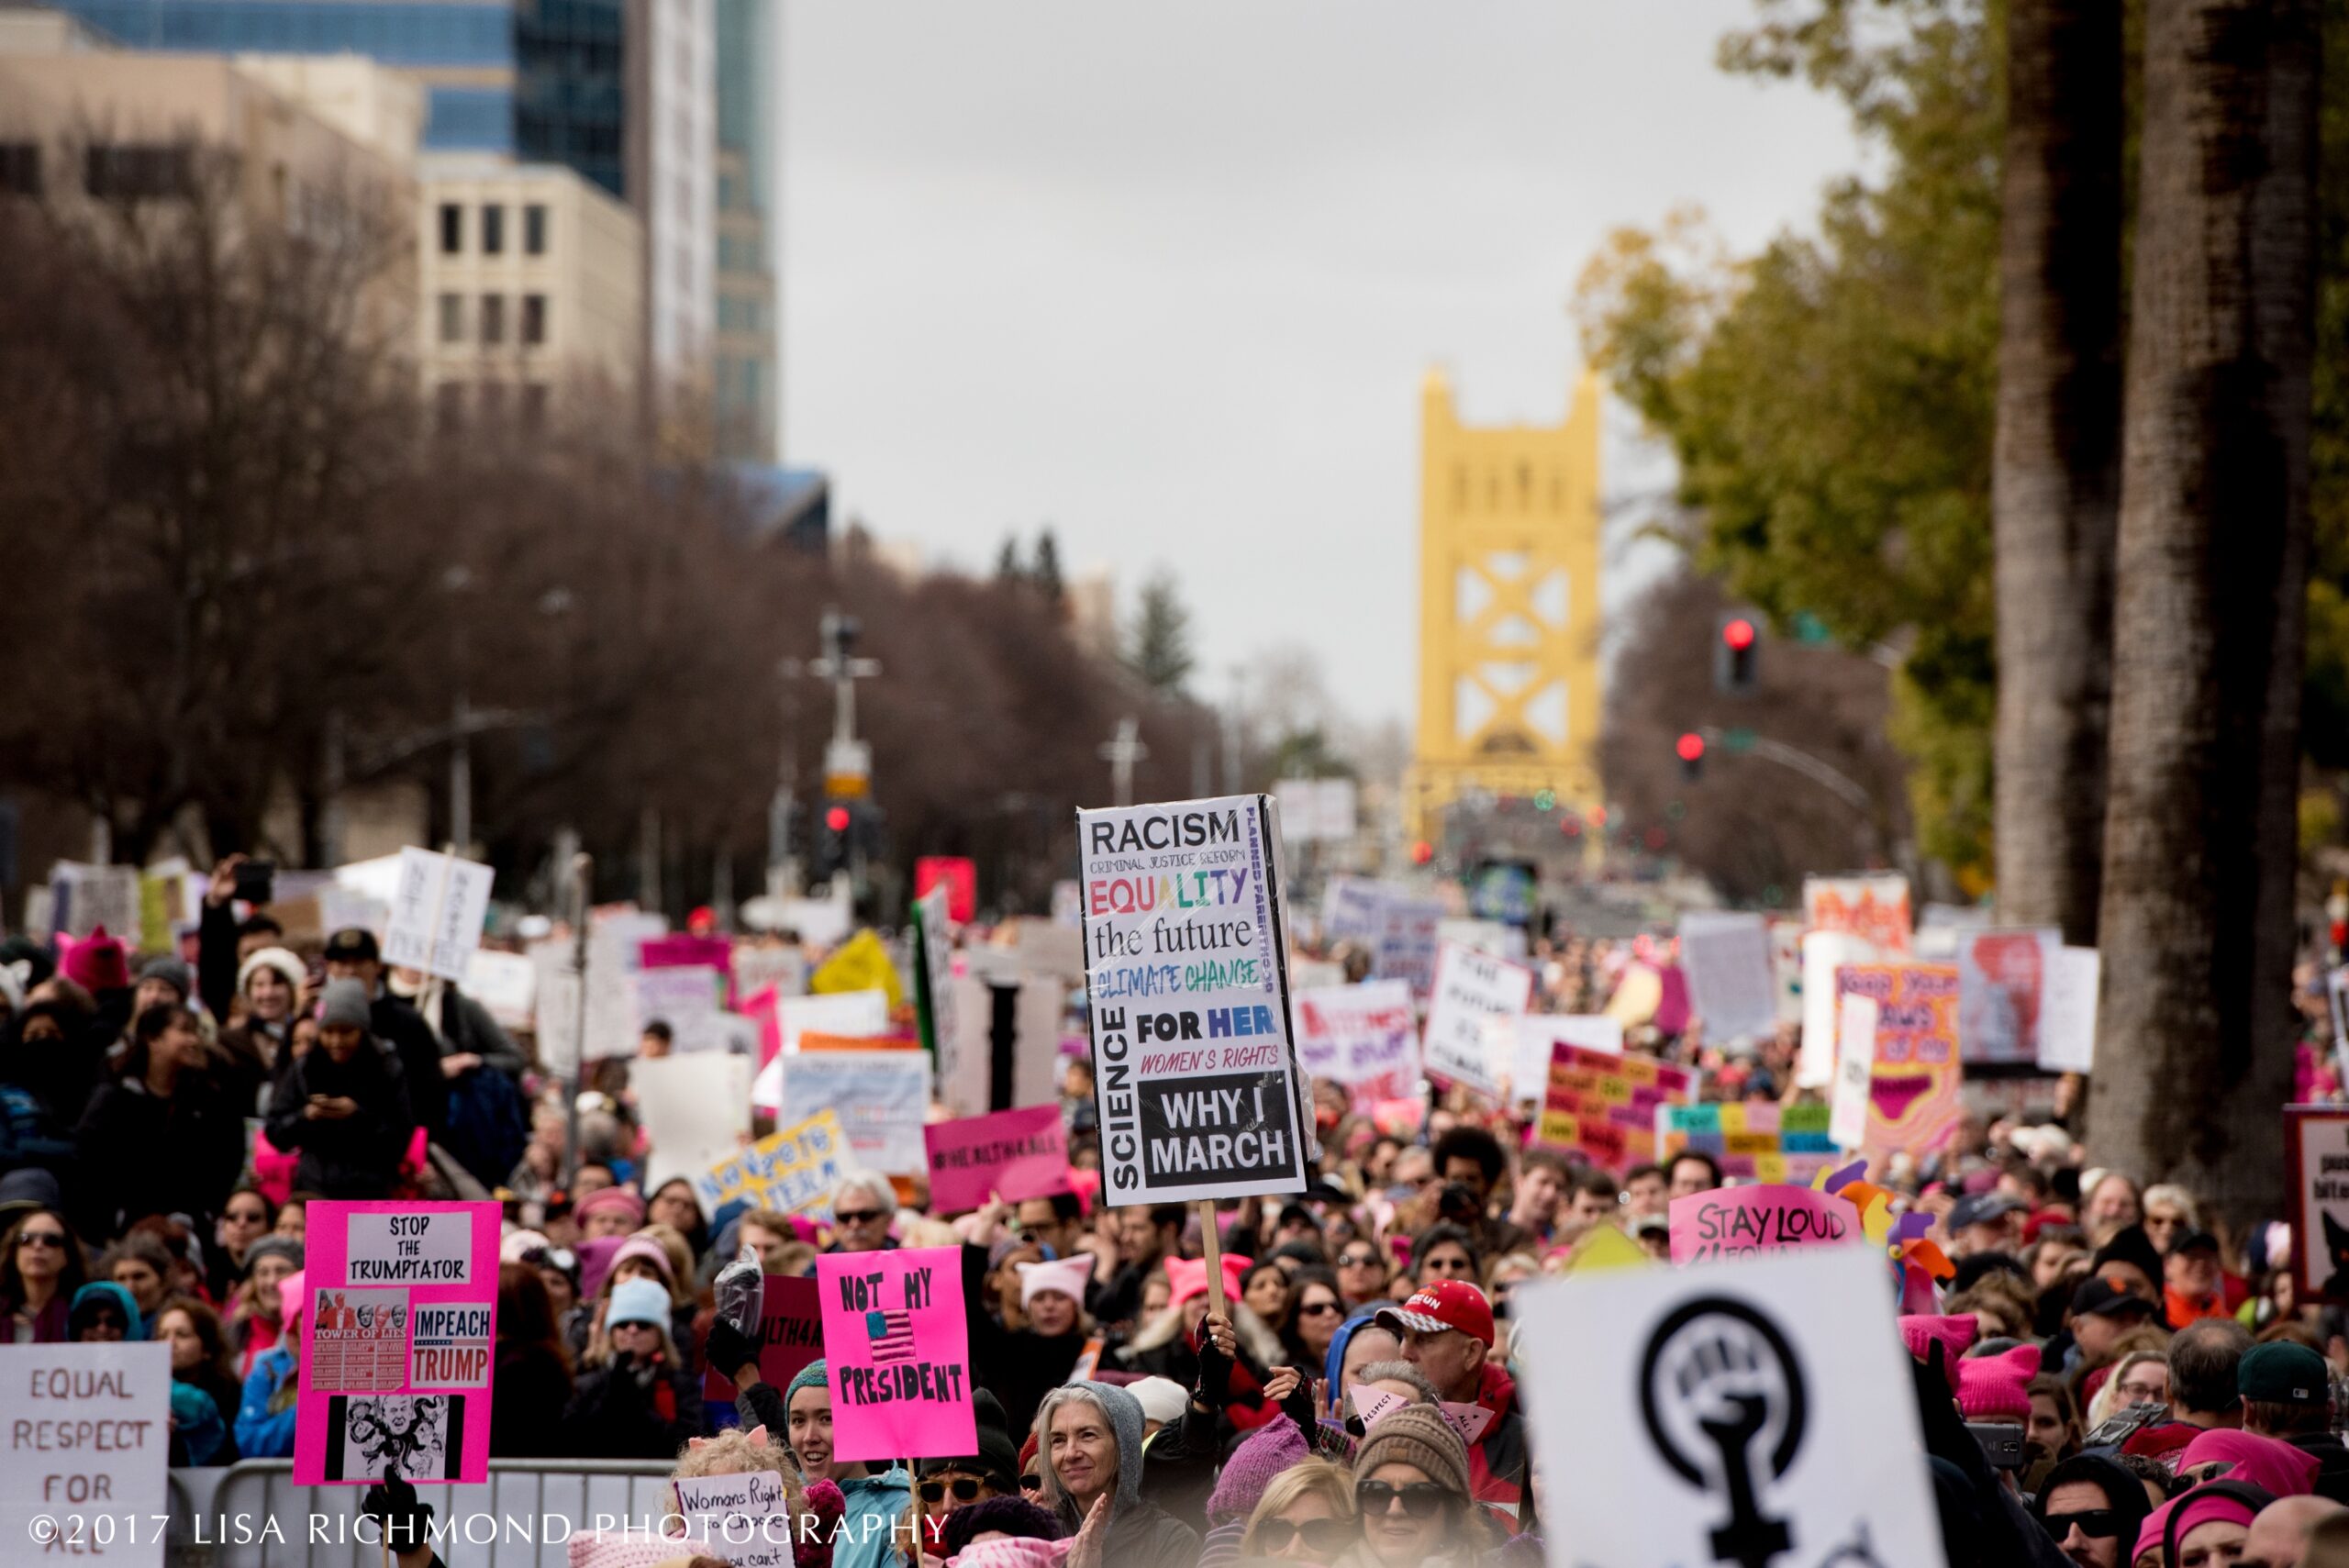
{"x":532,"y":285}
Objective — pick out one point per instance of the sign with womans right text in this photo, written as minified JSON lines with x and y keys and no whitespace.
{"x":1185,"y":954}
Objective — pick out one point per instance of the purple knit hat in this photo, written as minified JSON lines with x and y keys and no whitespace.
{"x":1266,"y":1452}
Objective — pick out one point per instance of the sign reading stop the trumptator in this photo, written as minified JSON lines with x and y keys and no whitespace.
{"x":1186,"y":959}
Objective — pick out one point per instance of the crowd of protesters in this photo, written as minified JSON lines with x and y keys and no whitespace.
{"x":164,"y":1123}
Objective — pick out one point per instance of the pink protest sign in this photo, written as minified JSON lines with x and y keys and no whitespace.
{"x":897,"y":1354}
{"x":1013,"y":1155}
{"x":398,"y":1336}
{"x":683,"y":952}
{"x":791,"y":1334}
{"x":1738,"y":1222}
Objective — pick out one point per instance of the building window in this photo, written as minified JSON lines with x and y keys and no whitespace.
{"x":489,"y":401}
{"x":492,"y":229}
{"x":452,"y":229}
{"x":19,"y":169}
{"x":534,"y":405}
{"x":534,"y":318}
{"x":137,"y":172}
{"x":534,"y":230}
{"x":493,"y":319}
{"x":452,"y":318}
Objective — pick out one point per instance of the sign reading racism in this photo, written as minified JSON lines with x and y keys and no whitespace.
{"x":1196,"y":1074}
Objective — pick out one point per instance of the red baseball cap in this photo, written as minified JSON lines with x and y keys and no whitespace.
{"x":1446,"y":1303}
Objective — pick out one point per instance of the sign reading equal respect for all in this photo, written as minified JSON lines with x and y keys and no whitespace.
{"x":1195,"y":1073}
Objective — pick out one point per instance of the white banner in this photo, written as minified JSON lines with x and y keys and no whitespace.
{"x":882,"y":1096}
{"x":1359,"y":1034}
{"x":695,"y":1109}
{"x":1471,"y":987}
{"x":438,"y":907}
{"x":1726,"y":956}
{"x":2067,"y":1011}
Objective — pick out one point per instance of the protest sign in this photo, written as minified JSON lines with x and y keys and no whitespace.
{"x":896,"y":1353}
{"x":611,"y":1022}
{"x":1007,"y":1042}
{"x":1913,"y":1103}
{"x":881,"y":1096}
{"x":1471,"y":987}
{"x":2067,"y":1011}
{"x":756,"y":968}
{"x":1316,"y":810}
{"x":1736,"y":1222}
{"x":934,"y":975}
{"x":2316,"y":1152}
{"x":1314,"y":974}
{"x":791,"y":1334}
{"x":680,"y":996}
{"x":1365,"y":1037}
{"x":505,"y":984}
{"x":1047,"y":948}
{"x":789,"y":1170}
{"x":1785,"y":969}
{"x":1731,"y":985}
{"x":1751,"y":1140}
{"x":1009,"y":1154}
{"x":860,"y":964}
{"x":88,"y":1442}
{"x":1854,"y":1072}
{"x":1534,"y":1039}
{"x":1824,"y":953}
{"x":1196,"y":1081}
{"x":1757,"y":1411}
{"x":856,"y":1014}
{"x":398,"y":1340}
{"x":1406,"y":940}
{"x":1873,"y":908}
{"x":743,"y":1520}
{"x":1605,"y":1106}
{"x":1353,"y":909}
{"x":2001,"y":987}
{"x":695,"y":1110}
{"x":83,"y":897}
{"x":438,"y":907}
{"x":1485,"y":936}
{"x":683,"y":950}
{"x":955,"y":875}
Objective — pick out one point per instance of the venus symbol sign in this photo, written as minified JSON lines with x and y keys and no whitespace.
{"x":1723,"y":1400}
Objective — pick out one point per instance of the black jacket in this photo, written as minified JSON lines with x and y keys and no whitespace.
{"x":531,"y":1388}
{"x":2332,"y":1463}
{"x":143,"y":1154}
{"x":358,"y":1156}
{"x":615,"y":1414}
{"x":403,"y":1028}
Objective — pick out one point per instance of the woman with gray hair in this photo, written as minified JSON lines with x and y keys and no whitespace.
{"x":1088,"y":1446}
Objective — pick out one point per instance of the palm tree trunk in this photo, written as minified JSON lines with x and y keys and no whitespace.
{"x":2056,"y":467}
{"x":2194,"y":1050}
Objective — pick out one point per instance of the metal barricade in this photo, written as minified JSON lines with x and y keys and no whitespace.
{"x":252,"y":1516}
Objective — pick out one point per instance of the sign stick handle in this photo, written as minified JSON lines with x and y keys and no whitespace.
{"x":1218,"y":1307}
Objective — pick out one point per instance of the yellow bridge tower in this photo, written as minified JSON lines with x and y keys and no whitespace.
{"x":1508,"y":608}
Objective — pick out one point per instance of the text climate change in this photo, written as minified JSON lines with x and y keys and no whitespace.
{"x":1186,"y":957}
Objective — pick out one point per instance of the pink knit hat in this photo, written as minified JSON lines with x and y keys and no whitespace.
{"x":1990,"y":1386}
{"x":1013,"y":1552}
{"x":1955,"y":1332}
{"x":651,"y":1251}
{"x":602,"y":1199}
{"x":631,"y":1549}
{"x":96,"y":963}
{"x":1188,"y":1276}
{"x":1263,"y":1454}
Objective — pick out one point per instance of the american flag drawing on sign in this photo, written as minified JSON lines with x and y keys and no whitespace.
{"x":893,"y":1336}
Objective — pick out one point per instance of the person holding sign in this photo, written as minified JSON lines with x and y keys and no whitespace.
{"x":1088,"y":1446}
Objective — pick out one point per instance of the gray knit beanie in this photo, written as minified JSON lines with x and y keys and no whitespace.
{"x":345,"y":1002}
{"x":1417,"y":1434}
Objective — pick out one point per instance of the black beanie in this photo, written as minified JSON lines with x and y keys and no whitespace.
{"x":999,"y":1457}
{"x":1014,"y":1516}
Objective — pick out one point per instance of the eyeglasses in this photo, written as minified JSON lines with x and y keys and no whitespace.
{"x":1031,"y":1484}
{"x":962,"y":1486}
{"x":42,"y":1239}
{"x":2097,"y":1524}
{"x":1319,"y":1308}
{"x":1359,"y":1261}
{"x":2145,"y":1392}
{"x":1320,"y":1535}
{"x":1422,"y":1499}
{"x":855,"y":1215}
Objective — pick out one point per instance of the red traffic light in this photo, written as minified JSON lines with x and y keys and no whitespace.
{"x":1738,"y":634}
{"x":1422,"y":853}
{"x":837,"y":818}
{"x":1691,"y":746}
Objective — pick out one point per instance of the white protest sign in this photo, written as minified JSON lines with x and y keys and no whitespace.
{"x":1353,"y":909}
{"x":720,"y":1033}
{"x":1726,"y":957}
{"x":744,"y":1520}
{"x":505,"y":984}
{"x":1316,"y":810}
{"x":83,"y":897}
{"x":858,"y":1014}
{"x":1485,"y":936}
{"x":431,"y":1247}
{"x":1196,"y":1081}
{"x":1847,"y":1124}
{"x":756,"y":968}
{"x":695,"y":1109}
{"x":1406,"y":940}
{"x":826,"y":922}
{"x":1359,"y":1034}
{"x":88,"y":1439}
{"x":1823,"y":952}
{"x":882,"y":1097}
{"x":1757,"y":1411}
{"x":611,"y":1001}
{"x":2067,"y":1010}
{"x":438,"y":907}
{"x":1471,"y":987}
{"x":1537,"y":1038}
{"x":1785,"y":969}
{"x":679,"y":996}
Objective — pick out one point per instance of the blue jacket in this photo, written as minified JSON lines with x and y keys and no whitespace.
{"x":264,"y":1425}
{"x":872,"y":1533}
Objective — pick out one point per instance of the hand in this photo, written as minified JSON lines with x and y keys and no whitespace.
{"x":1225,"y":1339}
{"x":458,"y":1063}
{"x":224,"y":882}
{"x":332,"y":1107}
{"x":405,"y":1523}
{"x":1321,"y":1394}
{"x":1281,"y":1383}
{"x":734,"y":1355}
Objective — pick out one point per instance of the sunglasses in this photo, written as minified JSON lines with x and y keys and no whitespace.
{"x":1422,"y":1499}
{"x":2097,"y":1524}
{"x":855,"y":1215}
{"x":1319,"y":1308}
{"x":964,"y":1488}
{"x":1032,"y":1483}
{"x":1358,"y":1260}
{"x":42,"y":1239}
{"x":1320,"y":1535}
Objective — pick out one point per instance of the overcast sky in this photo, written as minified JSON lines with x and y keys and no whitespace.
{"x":1167,"y":276}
